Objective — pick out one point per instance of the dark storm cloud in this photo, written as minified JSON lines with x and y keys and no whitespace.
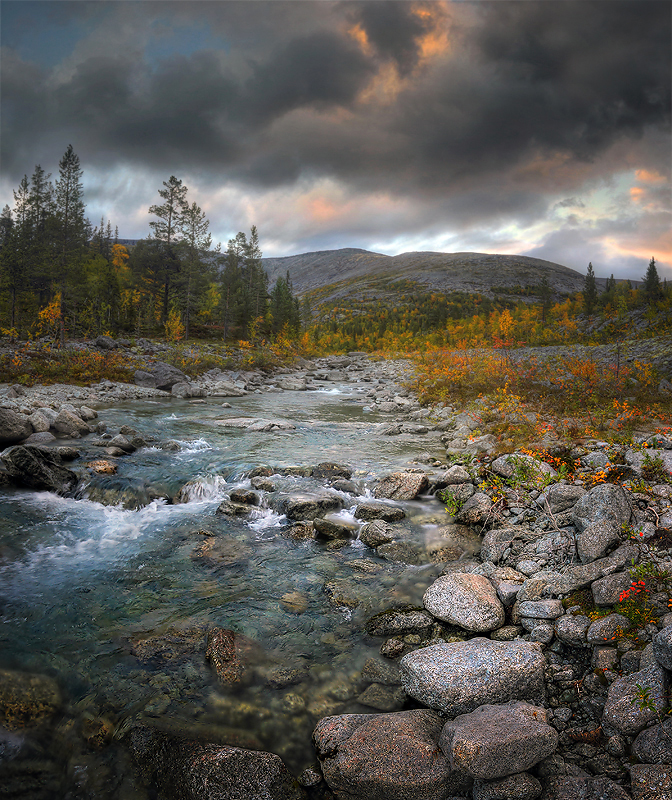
{"x":286,"y":98}
{"x":392,"y":28}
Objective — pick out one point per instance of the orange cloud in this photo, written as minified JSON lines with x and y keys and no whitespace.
{"x":358,"y":34}
{"x":645,"y":176}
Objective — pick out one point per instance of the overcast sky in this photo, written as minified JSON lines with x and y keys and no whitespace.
{"x":539,"y":127}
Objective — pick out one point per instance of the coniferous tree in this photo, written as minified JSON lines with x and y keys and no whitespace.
{"x":196,"y":240}
{"x":71,"y":232}
{"x":167,"y":229}
{"x":651,"y":285}
{"x":589,"y":290}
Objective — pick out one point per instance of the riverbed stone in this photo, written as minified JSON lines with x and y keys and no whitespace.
{"x":498,"y":740}
{"x":604,"y":503}
{"x":580,"y":787}
{"x":330,"y":529}
{"x":26,"y":699}
{"x":496,"y":542}
{"x":160,"y":376}
{"x":39,"y":422}
{"x":467,"y":600}
{"x":401,"y":486}
{"x":185,"y":769}
{"x":369,"y":510}
{"x":399,"y":621}
{"x":457,"y":677}
{"x":14,"y":427}
{"x":654,"y":745}
{"x":607,"y":590}
{"x":560,"y":497}
{"x":37,"y":468}
{"x":68,"y":423}
{"x":376,"y":533}
{"x":624,"y":710}
{"x":386,"y":757}
{"x":304,"y":507}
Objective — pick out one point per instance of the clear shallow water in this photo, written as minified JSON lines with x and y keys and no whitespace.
{"x":115,"y":603}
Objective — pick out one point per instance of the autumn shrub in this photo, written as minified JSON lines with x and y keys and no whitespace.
{"x":81,"y":367}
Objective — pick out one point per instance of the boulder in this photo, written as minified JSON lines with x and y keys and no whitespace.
{"x":607,"y":590}
{"x":293,"y":384}
{"x":226,"y":389}
{"x":649,"y":781}
{"x":560,"y":497}
{"x":38,"y":468}
{"x":160,"y":376}
{"x":14,"y":427}
{"x":371,"y":510}
{"x":467,"y":600}
{"x":570,"y":787}
{"x":401,"y":553}
{"x":604,"y":503}
{"x":456,"y":474}
{"x":40,"y":438}
{"x":527,"y":466}
{"x":376,"y":533}
{"x":521,"y":786}
{"x":302,"y":507}
{"x":39,"y":421}
{"x":498,"y":740}
{"x":222,"y":654}
{"x":402,"y":486}
{"x":496,"y":542}
{"x":540,"y":609}
{"x":476,"y":511}
{"x":654,"y":745}
{"x":329,"y":529}
{"x":105,"y":343}
{"x":626,"y":709}
{"x":457,"y":677}
{"x":69,"y":423}
{"x":183,"y":769}
{"x":386,"y":757}
{"x":328,"y":470}
{"x":596,"y":539}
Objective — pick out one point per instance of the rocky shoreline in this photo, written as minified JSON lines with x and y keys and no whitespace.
{"x":519,"y":677}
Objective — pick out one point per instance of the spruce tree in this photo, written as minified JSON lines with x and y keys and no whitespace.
{"x":589,"y":290}
{"x":651,"y":286}
{"x":196,"y":239}
{"x":167,"y":230}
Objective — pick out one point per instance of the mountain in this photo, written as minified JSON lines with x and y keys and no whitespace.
{"x":333,"y":275}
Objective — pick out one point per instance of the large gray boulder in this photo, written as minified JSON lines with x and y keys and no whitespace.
{"x":398,"y":621}
{"x":476,"y":511}
{"x":654,"y":745}
{"x":458,"y":677}
{"x":495,"y":741}
{"x":160,"y":376}
{"x":369,"y":510}
{"x":570,"y":787}
{"x":68,"y":423}
{"x":604,"y":503}
{"x":527,"y":467}
{"x":662,"y":647}
{"x":183,"y":769}
{"x":597,"y":539}
{"x":560,"y":497}
{"x":521,"y":786}
{"x":402,"y":486}
{"x":627,"y":710}
{"x":14,"y":427}
{"x":38,"y":468}
{"x":386,"y":757}
{"x":467,"y":600}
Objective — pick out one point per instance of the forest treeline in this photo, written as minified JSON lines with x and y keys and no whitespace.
{"x":60,"y":275}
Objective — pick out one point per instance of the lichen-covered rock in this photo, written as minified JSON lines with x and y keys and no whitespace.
{"x":570,"y":787}
{"x":221,"y":653}
{"x":496,"y":542}
{"x":498,"y":740}
{"x":654,"y":745}
{"x":476,"y":511}
{"x":386,"y":757}
{"x":467,"y":600}
{"x":69,"y":423}
{"x":604,"y":503}
{"x":560,"y":497}
{"x":528,"y":467}
{"x":596,"y":539}
{"x":376,"y":533}
{"x":302,"y":507}
{"x":457,"y":677}
{"x":607,"y":629}
{"x":648,"y":781}
{"x":401,"y":486}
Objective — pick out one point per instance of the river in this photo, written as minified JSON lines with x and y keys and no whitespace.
{"x":114,"y":602}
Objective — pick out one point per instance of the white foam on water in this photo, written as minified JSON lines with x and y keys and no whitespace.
{"x":194,"y":445}
{"x":204,"y":488}
{"x":263,"y":519}
{"x":334,"y":390}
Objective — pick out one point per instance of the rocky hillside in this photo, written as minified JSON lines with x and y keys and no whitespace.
{"x":339,"y":273}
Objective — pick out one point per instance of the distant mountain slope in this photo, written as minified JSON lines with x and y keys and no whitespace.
{"x":338,"y":273}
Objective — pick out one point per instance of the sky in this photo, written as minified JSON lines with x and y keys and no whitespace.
{"x":532,"y":127}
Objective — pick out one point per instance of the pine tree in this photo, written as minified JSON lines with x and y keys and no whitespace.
{"x":71,"y":229}
{"x":167,"y":230}
{"x":196,"y":239}
{"x":589,"y":290}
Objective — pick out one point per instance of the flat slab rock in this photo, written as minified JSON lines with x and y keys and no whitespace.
{"x":402,"y":486}
{"x":253,"y":424}
{"x":386,"y":757}
{"x":458,"y":677}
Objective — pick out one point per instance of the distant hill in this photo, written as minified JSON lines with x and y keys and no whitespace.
{"x":335,"y":274}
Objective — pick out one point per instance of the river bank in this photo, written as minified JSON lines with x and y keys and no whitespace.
{"x":524,"y":570}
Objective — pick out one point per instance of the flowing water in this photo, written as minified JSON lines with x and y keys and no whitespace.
{"x":114,"y":602}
